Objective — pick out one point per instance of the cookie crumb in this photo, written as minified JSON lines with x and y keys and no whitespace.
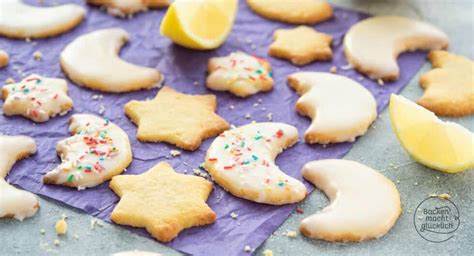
{"x":270,"y":116}
{"x":56,"y":242}
{"x":175,"y":153}
{"x":247,"y":248}
{"x":42,"y":231}
{"x":101,"y":109}
{"x":299,"y":210}
{"x":38,"y":55}
{"x":441,"y":196}
{"x":203,"y":174}
{"x":197,"y":172}
{"x":97,"y":96}
{"x":347,"y":67}
{"x":291,"y":234}
{"x":61,"y":226}
{"x":9,"y":81}
{"x":196,"y":83}
{"x":416,"y":183}
{"x":28,"y":40}
{"x":76,"y":236}
{"x":267,"y":252}
{"x":96,"y":222}
{"x":247,"y":116}
{"x":333,"y":69}
{"x":234,"y":215}
{"x":380,"y":82}
{"x":231,"y":107}
{"x":255,"y":105}
{"x":260,"y":100}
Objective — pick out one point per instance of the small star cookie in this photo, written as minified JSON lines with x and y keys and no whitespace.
{"x":122,"y":8}
{"x":4,"y":58}
{"x":294,"y":11}
{"x":176,"y":118}
{"x":301,"y":45}
{"x":449,"y":87}
{"x":162,"y":201}
{"x":240,"y":74}
{"x":37,"y":98}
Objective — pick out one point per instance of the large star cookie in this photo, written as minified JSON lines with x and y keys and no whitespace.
{"x":240,"y":74}
{"x":449,"y":87}
{"x":180,"y":119}
{"x":36,"y":98}
{"x":294,"y":11}
{"x":122,"y":8}
{"x":162,"y":201}
{"x":301,"y":45}
{"x":15,"y":203}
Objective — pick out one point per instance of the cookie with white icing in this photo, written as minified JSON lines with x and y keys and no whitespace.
{"x":122,"y":8}
{"x":364,"y":203}
{"x":340,"y":108}
{"x":4,"y":59}
{"x":97,"y":150}
{"x":373,"y":45}
{"x":92,"y":61}
{"x":15,"y":203}
{"x":19,"y":20}
{"x":37,"y":98}
{"x":239,"y":73}
{"x":242,"y":161}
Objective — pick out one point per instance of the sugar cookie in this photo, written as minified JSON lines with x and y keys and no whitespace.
{"x":37,"y":98}
{"x":364,"y":203}
{"x":92,"y":61}
{"x":372,"y":45}
{"x":176,"y":118}
{"x":15,"y":203}
{"x":4,"y":59}
{"x":340,"y":108}
{"x":122,"y":8}
{"x":19,"y":20}
{"x":240,"y":74}
{"x":97,"y":150}
{"x":162,"y":201}
{"x":449,"y":87}
{"x":242,"y":161}
{"x":294,"y":11}
{"x":301,"y":45}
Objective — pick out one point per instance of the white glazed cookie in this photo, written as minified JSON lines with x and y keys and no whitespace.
{"x":15,"y":203}
{"x":123,"y":8}
{"x":92,"y":61}
{"x":36,"y":98}
{"x":240,"y":74}
{"x":364,"y":203}
{"x":18,"y":20}
{"x":372,"y":45}
{"x":96,"y":151}
{"x":4,"y":59}
{"x":340,"y":108}
{"x":242,"y":161}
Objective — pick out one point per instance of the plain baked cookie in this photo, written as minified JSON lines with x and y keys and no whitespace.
{"x":122,"y":8}
{"x":4,"y":59}
{"x":364,"y":203}
{"x":19,"y":20}
{"x":294,"y":11}
{"x":301,"y":45}
{"x":239,"y":73}
{"x":340,"y":108}
{"x":242,"y":161}
{"x":372,"y":45}
{"x":449,"y":87}
{"x":176,"y":118}
{"x":97,"y":150}
{"x":162,"y":201}
{"x":15,"y":203}
{"x":92,"y":61}
{"x":37,"y":98}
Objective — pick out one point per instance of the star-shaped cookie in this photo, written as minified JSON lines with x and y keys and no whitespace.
{"x":449,"y":87}
{"x":301,"y":45}
{"x":162,"y":201}
{"x":180,"y":119}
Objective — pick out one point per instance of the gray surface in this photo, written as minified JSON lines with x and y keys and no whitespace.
{"x":378,"y":149}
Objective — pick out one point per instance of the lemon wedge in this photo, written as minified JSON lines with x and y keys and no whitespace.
{"x":443,"y":146}
{"x":199,"y":24}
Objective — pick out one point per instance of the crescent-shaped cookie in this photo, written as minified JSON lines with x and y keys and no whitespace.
{"x":372,"y":45}
{"x":340,"y":108}
{"x":242,"y":161}
{"x":92,"y":61}
{"x":97,"y":150}
{"x":364,"y":203}
{"x":19,"y":20}
{"x":122,"y":8}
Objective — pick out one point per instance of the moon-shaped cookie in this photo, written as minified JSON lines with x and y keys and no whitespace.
{"x":340,"y":108}
{"x":97,"y":150}
{"x":92,"y":61}
{"x":372,"y":45}
{"x":242,"y":161}
{"x":15,"y":203}
{"x":364,"y":203}
{"x":18,"y":20}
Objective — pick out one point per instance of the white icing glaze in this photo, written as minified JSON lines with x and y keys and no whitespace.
{"x":92,"y":60}
{"x":96,"y":151}
{"x":372,"y":45}
{"x":23,"y":21}
{"x":15,"y":203}
{"x":340,"y":108}
{"x":242,"y":161}
{"x":364,"y":203}
{"x":136,"y":253}
{"x":37,"y":98}
{"x":240,"y":74}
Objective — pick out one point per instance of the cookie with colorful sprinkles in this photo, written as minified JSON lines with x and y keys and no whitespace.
{"x":97,"y":150}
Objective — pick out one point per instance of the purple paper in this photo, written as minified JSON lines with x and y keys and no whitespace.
{"x":182,"y":69}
